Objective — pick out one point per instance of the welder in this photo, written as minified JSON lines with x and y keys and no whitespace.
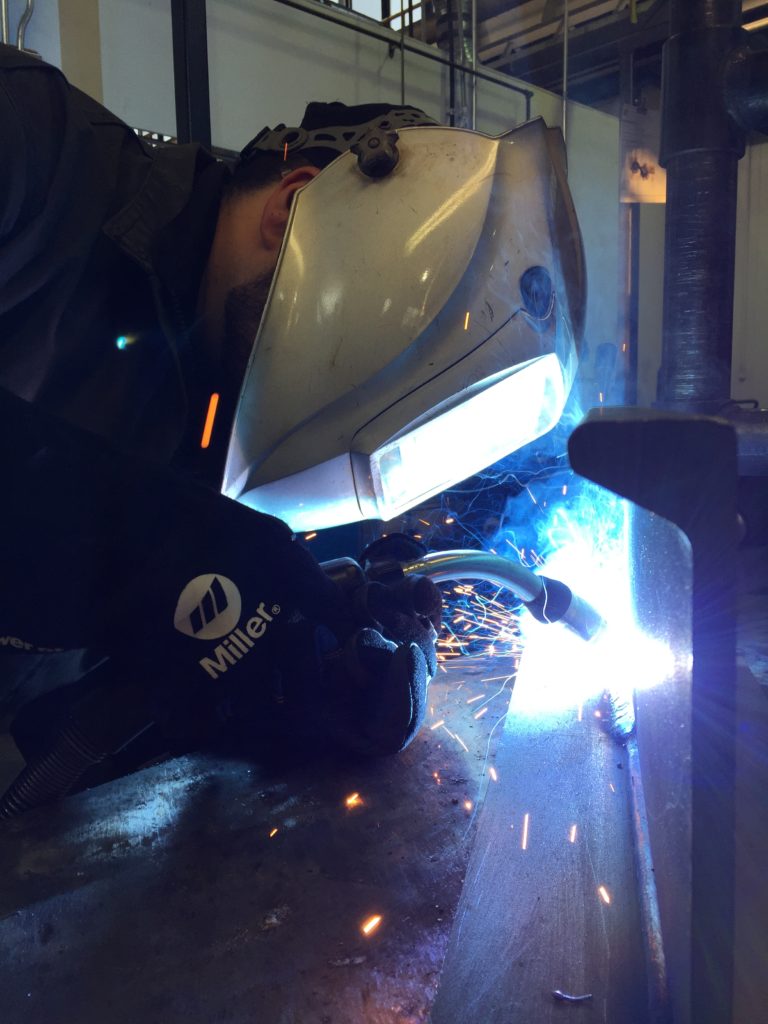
{"x":132,"y":283}
{"x":369,"y":309}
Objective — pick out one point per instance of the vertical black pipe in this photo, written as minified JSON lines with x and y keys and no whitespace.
{"x":701,"y":146}
{"x":190,"y":71}
{"x":452,"y":69}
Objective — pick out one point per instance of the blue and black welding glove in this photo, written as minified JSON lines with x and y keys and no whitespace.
{"x":211,"y":607}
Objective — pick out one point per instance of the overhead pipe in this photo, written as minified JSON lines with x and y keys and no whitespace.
{"x":474,"y":64}
{"x":427,"y":52}
{"x":5,"y":25}
{"x":21,"y":31}
{"x":566,"y":27}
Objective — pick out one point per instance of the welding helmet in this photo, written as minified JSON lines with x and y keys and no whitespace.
{"x":424,"y":320}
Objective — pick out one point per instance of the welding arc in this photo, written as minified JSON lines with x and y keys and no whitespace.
{"x":548,"y":600}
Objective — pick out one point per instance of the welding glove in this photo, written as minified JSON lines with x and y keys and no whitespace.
{"x":198,"y":598}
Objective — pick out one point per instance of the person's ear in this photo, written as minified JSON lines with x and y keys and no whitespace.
{"x":278,"y":205}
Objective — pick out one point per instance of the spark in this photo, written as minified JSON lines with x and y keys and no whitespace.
{"x":612,"y":787}
{"x":624,"y":347}
{"x":494,"y":679}
{"x":354,"y":800}
{"x":480,"y":713}
{"x":310,"y":536}
{"x":478,"y":622}
{"x":605,"y":896}
{"x":461,"y":741}
{"x":449,"y":520}
{"x":493,"y":773}
{"x":371,"y":924}
{"x":213,"y":404}
{"x":565,"y":489}
{"x":467,"y":805}
{"x":438,"y":724}
{"x":473,"y":699}
{"x":436,"y":777}
{"x":466,"y":321}
{"x":600,"y":396}
{"x":424,"y":521}
{"x":526,"y":822}
{"x":572,"y":834}
{"x":285,"y":151}
{"x":273,"y":833}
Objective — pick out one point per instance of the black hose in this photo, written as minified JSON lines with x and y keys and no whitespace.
{"x":52,"y":775}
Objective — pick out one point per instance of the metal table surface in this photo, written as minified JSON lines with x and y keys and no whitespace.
{"x":168,"y":896}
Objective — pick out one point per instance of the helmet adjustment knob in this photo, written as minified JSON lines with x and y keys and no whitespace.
{"x":377,"y":152}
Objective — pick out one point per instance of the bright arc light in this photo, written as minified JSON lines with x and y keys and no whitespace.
{"x":559,"y":674}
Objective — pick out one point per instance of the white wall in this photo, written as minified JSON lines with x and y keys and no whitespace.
{"x":137,"y":62}
{"x":42,"y":32}
{"x":750,"y":306}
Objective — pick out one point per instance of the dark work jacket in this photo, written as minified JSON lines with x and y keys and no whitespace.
{"x":103,"y":242}
{"x":109,"y":511}
{"x":101,"y":238}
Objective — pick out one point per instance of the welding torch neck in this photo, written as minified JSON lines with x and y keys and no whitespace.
{"x":548,"y":600}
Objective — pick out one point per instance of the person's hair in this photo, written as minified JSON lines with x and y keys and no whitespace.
{"x":265,"y":168}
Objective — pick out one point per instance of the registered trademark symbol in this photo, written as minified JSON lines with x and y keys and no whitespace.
{"x":275,"y":609}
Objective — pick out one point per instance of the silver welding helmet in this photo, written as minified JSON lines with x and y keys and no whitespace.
{"x":424,"y":320}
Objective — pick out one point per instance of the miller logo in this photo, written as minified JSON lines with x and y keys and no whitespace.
{"x":209,"y":607}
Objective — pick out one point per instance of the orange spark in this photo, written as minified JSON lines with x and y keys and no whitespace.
{"x":481,"y":712}
{"x":310,"y":536}
{"x":605,"y":896}
{"x":371,"y":924}
{"x":466,"y":321}
{"x":354,"y":800}
{"x":213,"y":404}
{"x":273,"y":833}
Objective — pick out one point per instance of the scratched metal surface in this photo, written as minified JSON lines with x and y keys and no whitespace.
{"x":532,"y":916}
{"x":162,"y":897}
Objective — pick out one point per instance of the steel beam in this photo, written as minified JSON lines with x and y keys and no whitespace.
{"x":190,"y":71}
